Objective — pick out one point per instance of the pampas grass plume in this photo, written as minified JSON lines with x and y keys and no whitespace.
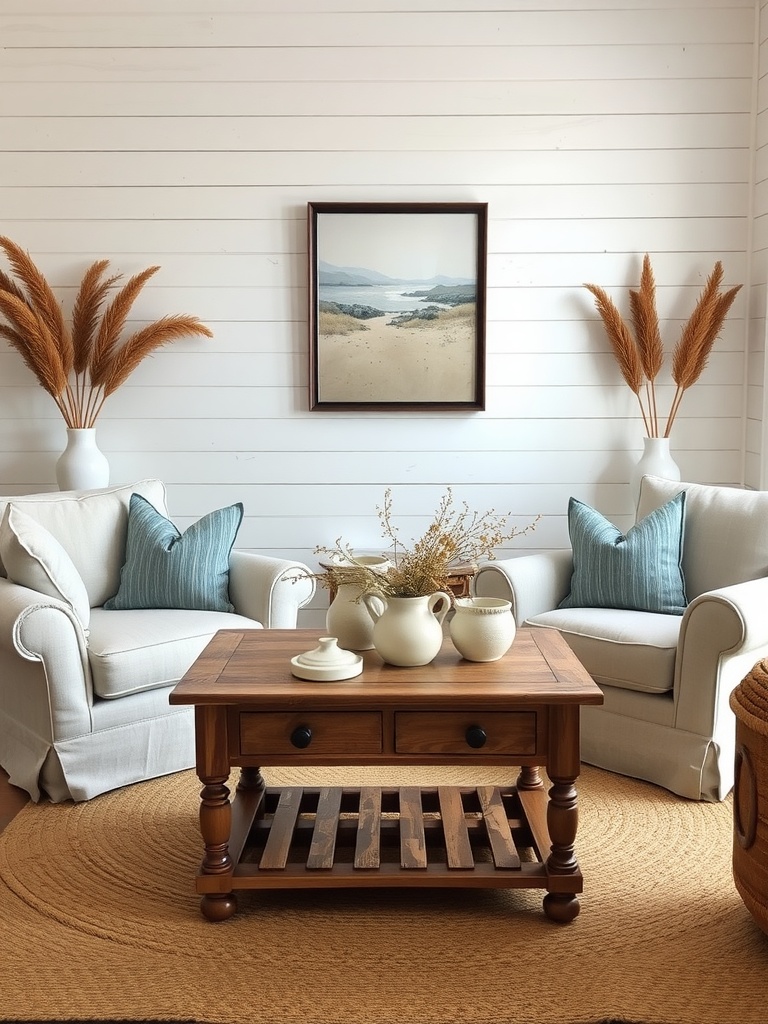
{"x":93,"y":351}
{"x":644,"y":349}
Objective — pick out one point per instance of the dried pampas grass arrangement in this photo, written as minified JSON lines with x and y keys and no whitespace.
{"x":81,"y":366}
{"x":456,"y":534}
{"x":640,"y":354}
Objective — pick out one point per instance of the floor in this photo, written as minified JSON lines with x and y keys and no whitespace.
{"x":12,"y":800}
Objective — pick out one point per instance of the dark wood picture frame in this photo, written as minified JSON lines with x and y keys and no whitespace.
{"x":397,"y":306}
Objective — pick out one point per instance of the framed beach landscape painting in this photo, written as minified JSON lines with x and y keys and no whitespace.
{"x":397,"y":305}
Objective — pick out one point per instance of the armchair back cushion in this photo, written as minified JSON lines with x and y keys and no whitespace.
{"x":91,"y":527}
{"x":726,"y":532}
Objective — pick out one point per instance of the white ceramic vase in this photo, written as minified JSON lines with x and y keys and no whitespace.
{"x":82,"y":466}
{"x":408,"y":631}
{"x":347,"y":617}
{"x":482,"y":628}
{"x":656,"y":460}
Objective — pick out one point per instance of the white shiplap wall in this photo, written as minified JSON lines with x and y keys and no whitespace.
{"x":178,"y":134}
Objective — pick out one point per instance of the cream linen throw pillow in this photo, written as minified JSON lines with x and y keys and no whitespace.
{"x":34,"y":558}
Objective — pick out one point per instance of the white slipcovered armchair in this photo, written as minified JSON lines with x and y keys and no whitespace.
{"x":666,"y":678}
{"x":83,"y":690}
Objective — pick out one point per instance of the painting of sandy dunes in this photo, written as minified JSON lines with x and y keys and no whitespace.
{"x":397,"y":305}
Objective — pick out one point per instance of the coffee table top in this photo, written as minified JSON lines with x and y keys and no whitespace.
{"x":253,"y":667}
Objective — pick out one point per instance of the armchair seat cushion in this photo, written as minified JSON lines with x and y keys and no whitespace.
{"x":135,"y":650}
{"x":628,"y":649}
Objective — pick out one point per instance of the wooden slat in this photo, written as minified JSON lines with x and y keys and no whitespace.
{"x":244,"y":810}
{"x":323,"y":843}
{"x":278,"y":843}
{"x":457,"y":846}
{"x":499,"y":835}
{"x":413,"y":851}
{"x":534,"y":804}
{"x":368,"y":844}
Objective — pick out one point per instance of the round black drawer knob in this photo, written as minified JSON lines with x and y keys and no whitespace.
{"x":301,"y":736}
{"x":476,"y":737}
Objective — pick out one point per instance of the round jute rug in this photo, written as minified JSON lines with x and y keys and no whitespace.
{"x":99,"y":920}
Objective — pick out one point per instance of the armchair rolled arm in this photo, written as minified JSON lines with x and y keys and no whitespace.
{"x":44,"y":630}
{"x":26,"y":616}
{"x":270,"y":590}
{"x":723,"y":633}
{"x":533,"y":583}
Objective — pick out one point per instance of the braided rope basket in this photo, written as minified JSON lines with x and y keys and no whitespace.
{"x":749,"y":702}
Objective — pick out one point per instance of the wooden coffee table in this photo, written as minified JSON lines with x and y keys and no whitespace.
{"x":523,"y":710}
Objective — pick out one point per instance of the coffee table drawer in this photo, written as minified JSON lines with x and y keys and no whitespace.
{"x":313,"y":732}
{"x":501,"y":732}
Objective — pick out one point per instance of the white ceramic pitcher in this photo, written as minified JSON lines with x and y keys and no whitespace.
{"x":408,"y":631}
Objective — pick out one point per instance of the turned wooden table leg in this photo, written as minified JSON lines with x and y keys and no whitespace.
{"x":215,"y":808}
{"x":562,"y":809}
{"x":562,"y":819}
{"x":215,"y":824}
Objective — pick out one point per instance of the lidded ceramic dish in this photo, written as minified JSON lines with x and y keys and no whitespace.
{"x":327,"y":662}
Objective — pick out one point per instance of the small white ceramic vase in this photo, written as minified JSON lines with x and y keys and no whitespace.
{"x":347,"y":617}
{"x":82,"y":466}
{"x":655,"y":461}
{"x":408,"y":631}
{"x":482,"y":628}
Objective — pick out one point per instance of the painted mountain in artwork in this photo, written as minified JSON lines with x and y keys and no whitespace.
{"x":361,"y":277}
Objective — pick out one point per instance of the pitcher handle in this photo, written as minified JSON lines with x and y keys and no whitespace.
{"x":434,"y":600}
{"x":375,"y":604}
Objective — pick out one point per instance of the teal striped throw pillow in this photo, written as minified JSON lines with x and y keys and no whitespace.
{"x":168,"y":569}
{"x":641,"y":571}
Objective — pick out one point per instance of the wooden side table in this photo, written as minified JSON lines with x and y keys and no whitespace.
{"x":460,"y":579}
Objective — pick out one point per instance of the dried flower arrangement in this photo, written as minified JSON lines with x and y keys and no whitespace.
{"x":454,"y":536}
{"x":91,"y":350}
{"x":640,"y":357}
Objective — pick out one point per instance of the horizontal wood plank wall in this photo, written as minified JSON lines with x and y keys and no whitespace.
{"x":596,"y":130}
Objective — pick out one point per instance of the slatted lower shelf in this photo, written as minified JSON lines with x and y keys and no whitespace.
{"x":372,"y":836}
